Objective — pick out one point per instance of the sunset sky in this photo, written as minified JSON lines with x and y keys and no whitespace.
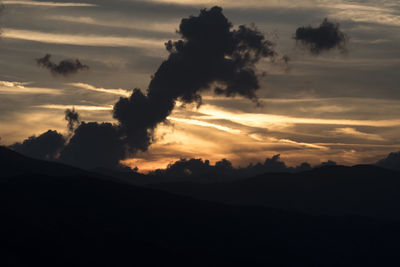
{"x":340,"y":106}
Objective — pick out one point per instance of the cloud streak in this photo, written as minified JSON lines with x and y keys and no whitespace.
{"x":81,"y":40}
{"x":46,"y":3}
{"x":15,"y":88}
{"x":264,"y":120}
{"x":121,"y":92}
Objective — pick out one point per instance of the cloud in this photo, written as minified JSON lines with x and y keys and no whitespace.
{"x":263,"y":120}
{"x":206,"y":124}
{"x":353,"y":132}
{"x":323,"y":38}
{"x":46,"y":4}
{"x":147,"y":26}
{"x":46,"y":146}
{"x":210,"y":54}
{"x":65,"y":67}
{"x":94,"y":145}
{"x":392,"y":161}
{"x":72,"y":117}
{"x":121,"y":92}
{"x":224,"y":168}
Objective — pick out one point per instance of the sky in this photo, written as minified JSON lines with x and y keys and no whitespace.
{"x":336,"y":105}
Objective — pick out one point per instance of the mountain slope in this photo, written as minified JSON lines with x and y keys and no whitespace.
{"x":14,"y":164}
{"x":333,"y":190}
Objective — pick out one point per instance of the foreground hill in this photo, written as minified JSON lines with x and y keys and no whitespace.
{"x":363,"y":190}
{"x":84,"y":220}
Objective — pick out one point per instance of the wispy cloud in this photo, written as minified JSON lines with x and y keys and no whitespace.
{"x":266,"y":120}
{"x":353,"y":132}
{"x":48,"y":4}
{"x":77,"y":107}
{"x":206,"y":124}
{"x":238,"y":4}
{"x":83,"y":40}
{"x":134,"y":25}
{"x":9,"y":87}
{"x":121,"y":92}
{"x":366,"y":13}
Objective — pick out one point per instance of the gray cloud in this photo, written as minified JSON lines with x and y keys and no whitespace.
{"x":65,"y":67}
{"x":323,"y":38}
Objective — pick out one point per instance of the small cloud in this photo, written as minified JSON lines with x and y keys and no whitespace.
{"x":65,"y":67}
{"x":323,"y":38}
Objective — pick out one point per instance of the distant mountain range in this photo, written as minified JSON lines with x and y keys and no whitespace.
{"x":364,"y":190}
{"x":56,"y":215}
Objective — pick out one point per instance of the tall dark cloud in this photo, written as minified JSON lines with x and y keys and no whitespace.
{"x":326,"y":37}
{"x":72,"y":117}
{"x":392,"y":161}
{"x":211,"y":54}
{"x":65,"y":67}
{"x":45,"y":146}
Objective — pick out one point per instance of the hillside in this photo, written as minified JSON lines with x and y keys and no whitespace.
{"x":363,"y":190}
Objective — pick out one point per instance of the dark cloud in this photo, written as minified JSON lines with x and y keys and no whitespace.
{"x":197,"y":168}
{"x":94,"y":145}
{"x":72,"y":117}
{"x":65,"y":67}
{"x":323,"y":38}
{"x":392,"y":161}
{"x":211,"y":54}
{"x":204,"y":170}
{"x":273,"y":164}
{"x":46,"y":146}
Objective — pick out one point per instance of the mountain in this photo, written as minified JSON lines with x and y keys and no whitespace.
{"x":363,"y":190}
{"x":77,"y":218}
{"x":14,"y":164}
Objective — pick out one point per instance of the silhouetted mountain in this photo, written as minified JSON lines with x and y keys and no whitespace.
{"x":392,"y":161}
{"x":334,"y":190}
{"x":13,"y":164}
{"x":84,"y":220}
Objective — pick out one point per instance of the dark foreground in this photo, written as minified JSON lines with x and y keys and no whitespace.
{"x":54,"y":215}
